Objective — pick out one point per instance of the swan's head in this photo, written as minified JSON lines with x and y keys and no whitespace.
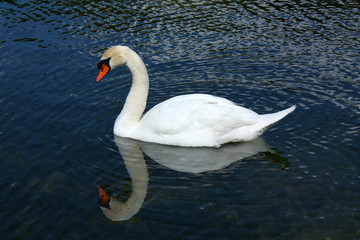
{"x":112,"y":58}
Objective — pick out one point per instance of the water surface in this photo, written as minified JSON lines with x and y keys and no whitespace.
{"x":300,"y":181}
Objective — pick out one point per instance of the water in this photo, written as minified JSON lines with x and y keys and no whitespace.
{"x":300,"y":181}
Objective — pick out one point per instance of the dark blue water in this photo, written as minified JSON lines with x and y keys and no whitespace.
{"x":301,"y":180}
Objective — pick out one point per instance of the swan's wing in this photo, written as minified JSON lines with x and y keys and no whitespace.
{"x":197,"y":113}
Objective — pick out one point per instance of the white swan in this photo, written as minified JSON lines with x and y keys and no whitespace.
{"x":194,"y":120}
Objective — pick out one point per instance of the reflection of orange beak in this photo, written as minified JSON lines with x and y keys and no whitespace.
{"x":103,"y":196}
{"x":103,"y":71}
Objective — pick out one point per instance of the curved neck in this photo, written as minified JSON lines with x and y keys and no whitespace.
{"x":136,"y":100}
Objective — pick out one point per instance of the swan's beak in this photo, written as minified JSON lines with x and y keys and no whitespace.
{"x":103,"y":71}
{"x":104,"y":198}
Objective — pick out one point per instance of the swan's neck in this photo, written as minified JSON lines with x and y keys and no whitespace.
{"x":136,"y":100}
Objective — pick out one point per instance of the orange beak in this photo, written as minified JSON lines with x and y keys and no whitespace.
{"x":103,"y":71}
{"x":103,"y":196}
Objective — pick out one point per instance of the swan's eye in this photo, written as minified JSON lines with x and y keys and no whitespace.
{"x":105,"y":62}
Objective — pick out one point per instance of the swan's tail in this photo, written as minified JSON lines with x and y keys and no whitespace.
{"x":269,"y":119}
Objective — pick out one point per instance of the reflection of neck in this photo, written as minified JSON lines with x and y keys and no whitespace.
{"x":136,"y":167}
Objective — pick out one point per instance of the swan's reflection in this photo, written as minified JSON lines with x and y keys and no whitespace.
{"x":191,"y":160}
{"x":115,"y":209}
{"x":197,"y":160}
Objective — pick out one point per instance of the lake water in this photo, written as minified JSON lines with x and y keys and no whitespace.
{"x":301,"y":180}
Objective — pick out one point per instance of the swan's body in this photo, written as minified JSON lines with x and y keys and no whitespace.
{"x":194,"y":120}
